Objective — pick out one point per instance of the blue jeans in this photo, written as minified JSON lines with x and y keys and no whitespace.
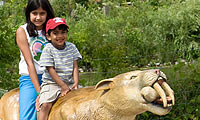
{"x":27,"y":98}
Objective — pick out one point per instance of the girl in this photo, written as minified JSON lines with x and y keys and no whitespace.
{"x":31,"y":40}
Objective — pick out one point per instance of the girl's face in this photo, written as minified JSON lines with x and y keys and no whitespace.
{"x":38,"y":17}
{"x":58,"y":38}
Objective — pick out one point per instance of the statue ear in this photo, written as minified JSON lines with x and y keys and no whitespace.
{"x":105,"y":84}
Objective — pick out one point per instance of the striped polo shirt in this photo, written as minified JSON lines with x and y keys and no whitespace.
{"x":62,"y":60}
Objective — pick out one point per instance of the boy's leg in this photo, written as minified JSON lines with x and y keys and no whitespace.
{"x":43,"y":114}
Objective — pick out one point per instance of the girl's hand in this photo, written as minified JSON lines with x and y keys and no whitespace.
{"x":37,"y":103}
{"x":64,"y":90}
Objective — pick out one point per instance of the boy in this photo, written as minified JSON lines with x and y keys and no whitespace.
{"x":60,"y":59}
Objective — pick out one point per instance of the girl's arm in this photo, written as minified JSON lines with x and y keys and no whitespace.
{"x":75,"y":75}
{"x":56,"y":78}
{"x":23,"y":45}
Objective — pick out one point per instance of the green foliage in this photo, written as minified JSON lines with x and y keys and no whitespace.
{"x":65,"y":7}
{"x":136,"y":34}
{"x":98,"y":38}
{"x":11,"y":17}
{"x":128,"y":37}
{"x":2,"y":92}
{"x":62,"y":7}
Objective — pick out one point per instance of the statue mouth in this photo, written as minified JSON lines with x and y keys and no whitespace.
{"x":159,"y":102}
{"x":159,"y":94}
{"x":165,"y":92}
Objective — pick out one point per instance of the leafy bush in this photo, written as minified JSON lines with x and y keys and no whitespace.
{"x":11,"y":17}
{"x":140,"y":32}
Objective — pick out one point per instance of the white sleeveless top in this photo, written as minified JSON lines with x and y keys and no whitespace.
{"x":36,"y":45}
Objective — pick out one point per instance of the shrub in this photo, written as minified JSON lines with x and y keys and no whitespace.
{"x":11,"y":17}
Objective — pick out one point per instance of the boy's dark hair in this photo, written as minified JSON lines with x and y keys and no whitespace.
{"x":33,"y":5}
{"x":60,"y":27}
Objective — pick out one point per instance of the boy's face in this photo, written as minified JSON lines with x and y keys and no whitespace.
{"x":57,"y":37}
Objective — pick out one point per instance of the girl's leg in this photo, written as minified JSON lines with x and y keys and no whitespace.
{"x":27,"y":97}
{"x":43,"y":114}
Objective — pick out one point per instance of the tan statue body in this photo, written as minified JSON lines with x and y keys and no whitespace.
{"x":119,"y":98}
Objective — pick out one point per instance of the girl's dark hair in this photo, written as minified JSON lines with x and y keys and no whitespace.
{"x":33,"y":5}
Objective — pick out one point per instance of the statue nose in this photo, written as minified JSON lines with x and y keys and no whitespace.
{"x":157,"y":71}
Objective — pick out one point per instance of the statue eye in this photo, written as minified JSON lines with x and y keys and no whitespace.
{"x":132,"y":77}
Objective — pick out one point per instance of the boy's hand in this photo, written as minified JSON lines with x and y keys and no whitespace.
{"x":75,"y":86}
{"x":37,"y":103}
{"x":64,"y":90}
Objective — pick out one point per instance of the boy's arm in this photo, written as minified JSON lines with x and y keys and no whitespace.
{"x":64,"y":88}
{"x":75,"y":74}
